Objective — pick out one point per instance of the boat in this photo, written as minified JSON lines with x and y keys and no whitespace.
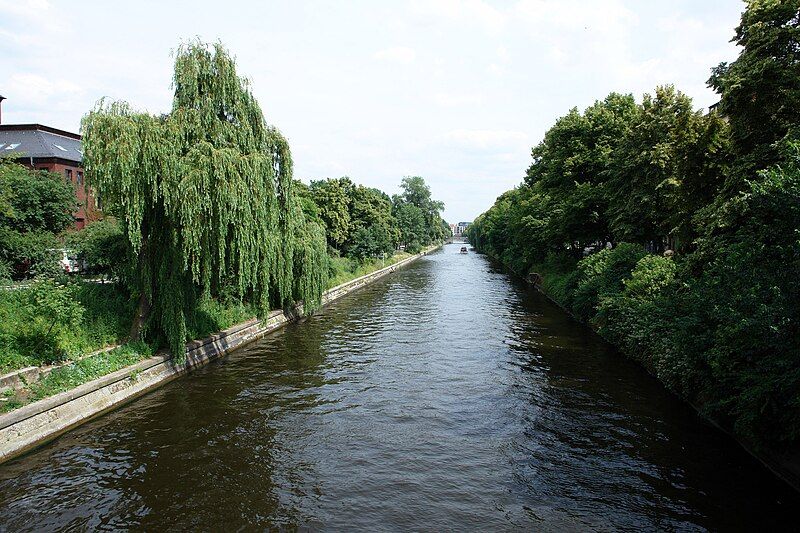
{"x":463,"y":249}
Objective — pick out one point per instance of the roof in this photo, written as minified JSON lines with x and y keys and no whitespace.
{"x":39,"y":142}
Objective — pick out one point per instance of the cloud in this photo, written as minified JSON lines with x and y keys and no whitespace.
{"x":30,"y":9}
{"x":29,"y":16}
{"x":454,"y":100}
{"x":475,"y":13}
{"x":397,"y":54}
{"x":486,"y":139}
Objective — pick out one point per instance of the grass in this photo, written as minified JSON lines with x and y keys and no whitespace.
{"x":344,"y":269}
{"x":74,"y":374}
{"x":213,"y":316}
{"x":37,"y":328}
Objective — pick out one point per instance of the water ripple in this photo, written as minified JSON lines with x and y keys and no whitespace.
{"x":443,"y":397}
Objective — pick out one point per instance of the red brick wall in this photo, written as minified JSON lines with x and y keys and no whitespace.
{"x":87,"y":211}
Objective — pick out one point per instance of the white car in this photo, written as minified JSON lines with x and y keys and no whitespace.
{"x":69,"y":262}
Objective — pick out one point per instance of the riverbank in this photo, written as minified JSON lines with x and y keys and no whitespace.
{"x":443,"y":396}
{"x":557,"y":282}
{"x":45,"y":419}
{"x":94,"y":345}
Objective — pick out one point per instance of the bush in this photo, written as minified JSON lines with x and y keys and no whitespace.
{"x":601,"y":275}
{"x":103,"y":247}
{"x":48,"y":320}
{"x":37,"y":321}
{"x":26,"y":254}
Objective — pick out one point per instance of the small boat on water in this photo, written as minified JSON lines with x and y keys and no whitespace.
{"x":463,"y":249}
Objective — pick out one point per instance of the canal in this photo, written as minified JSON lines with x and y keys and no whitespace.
{"x":446,"y":396}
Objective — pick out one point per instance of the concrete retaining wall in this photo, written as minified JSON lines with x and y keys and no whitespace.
{"x":42,"y":421}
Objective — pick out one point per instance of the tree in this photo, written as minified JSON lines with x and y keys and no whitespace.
{"x":35,"y":200}
{"x":411,"y":223}
{"x":667,"y":146}
{"x":372,"y":222}
{"x":205,"y":195}
{"x":35,"y":206}
{"x":570,"y":166}
{"x":103,"y":246}
{"x":333,"y":199}
{"x":760,"y":91}
{"x":371,"y":241}
{"x":415,"y":192}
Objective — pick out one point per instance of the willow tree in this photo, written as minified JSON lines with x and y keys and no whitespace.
{"x":205,"y":194}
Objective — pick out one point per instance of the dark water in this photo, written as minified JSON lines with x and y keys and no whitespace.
{"x":444,"y":397}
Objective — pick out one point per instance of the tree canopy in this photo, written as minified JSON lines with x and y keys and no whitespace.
{"x":760,"y":91}
{"x":205,"y":194}
{"x":35,"y":207}
{"x":675,"y":232}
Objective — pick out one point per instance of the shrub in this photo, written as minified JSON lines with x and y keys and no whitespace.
{"x":38,"y":321}
{"x":602,"y":274}
{"x":102,"y":245}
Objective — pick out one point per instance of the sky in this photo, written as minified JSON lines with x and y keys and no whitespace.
{"x":456,"y":91}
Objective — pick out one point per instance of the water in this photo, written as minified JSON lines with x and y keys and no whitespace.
{"x":443,"y":397}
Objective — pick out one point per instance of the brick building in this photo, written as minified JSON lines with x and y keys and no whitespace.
{"x":46,"y":148}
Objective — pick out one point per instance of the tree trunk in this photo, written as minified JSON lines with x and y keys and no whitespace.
{"x":140,"y":318}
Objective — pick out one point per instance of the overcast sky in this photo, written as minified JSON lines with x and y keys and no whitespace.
{"x":455,"y":91}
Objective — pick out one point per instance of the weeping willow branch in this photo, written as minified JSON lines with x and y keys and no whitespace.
{"x":206,"y":196}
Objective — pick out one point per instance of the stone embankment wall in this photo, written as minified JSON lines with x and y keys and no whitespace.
{"x":39,"y":422}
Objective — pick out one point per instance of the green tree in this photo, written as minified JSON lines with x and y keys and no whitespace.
{"x":760,"y":91}
{"x":571,"y":167}
{"x":371,"y":241}
{"x":333,"y":199}
{"x":35,"y":207}
{"x":205,"y":195}
{"x":411,"y":223}
{"x":103,"y":246}
{"x":38,"y":200}
{"x":666,"y":147}
{"x":415,"y":192}
{"x":372,"y":222}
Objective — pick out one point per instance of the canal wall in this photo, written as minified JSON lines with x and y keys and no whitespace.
{"x":44,"y":420}
{"x":784,"y":464}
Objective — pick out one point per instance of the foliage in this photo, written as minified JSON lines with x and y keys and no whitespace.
{"x":30,"y":253}
{"x":602,"y":275}
{"x":363,"y":222}
{"x":103,"y":246}
{"x":717,"y":319}
{"x":333,"y":201}
{"x":205,"y":195}
{"x":760,"y":91}
{"x":48,"y":320}
{"x":35,"y":206}
{"x":411,"y":221}
{"x":38,"y":319}
{"x":666,"y":166}
{"x":416,"y":193}
{"x":372,"y":241}
{"x":569,"y":168}
{"x":344,"y":269}
{"x":74,"y":374}
{"x":38,"y":200}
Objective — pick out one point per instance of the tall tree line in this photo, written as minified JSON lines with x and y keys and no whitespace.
{"x":675,"y":232}
{"x":363,"y":222}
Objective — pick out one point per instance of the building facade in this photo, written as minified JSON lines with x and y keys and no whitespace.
{"x":45,"y":148}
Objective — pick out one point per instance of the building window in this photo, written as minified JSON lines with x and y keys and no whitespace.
{"x":68,"y":175}
{"x":79,"y":179}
